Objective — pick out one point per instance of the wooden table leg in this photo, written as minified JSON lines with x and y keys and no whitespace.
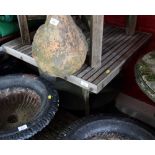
{"x":131,"y":24}
{"x":85,"y":94}
{"x":96,"y":40}
{"x":24,"y":31}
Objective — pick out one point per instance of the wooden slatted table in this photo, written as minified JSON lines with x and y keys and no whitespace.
{"x":117,"y":48}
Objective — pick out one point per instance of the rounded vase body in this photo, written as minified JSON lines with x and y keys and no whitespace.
{"x":59,"y":46}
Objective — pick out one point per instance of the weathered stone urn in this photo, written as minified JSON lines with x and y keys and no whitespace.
{"x":145,"y":74}
{"x":59,"y":46}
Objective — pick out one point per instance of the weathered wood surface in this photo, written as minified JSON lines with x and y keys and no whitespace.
{"x":86,"y":101}
{"x":131,"y":24}
{"x":24,"y":30}
{"x":96,"y":40}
